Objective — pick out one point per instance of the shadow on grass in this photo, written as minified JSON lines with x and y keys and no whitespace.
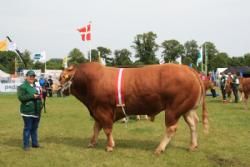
{"x":120,"y":143}
{"x":14,"y":142}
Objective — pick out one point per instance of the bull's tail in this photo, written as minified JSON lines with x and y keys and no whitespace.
{"x":204,"y":107}
{"x":204,"y":114}
{"x":203,"y":102}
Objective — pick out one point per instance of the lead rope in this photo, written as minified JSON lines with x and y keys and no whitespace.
{"x":119,"y":95}
{"x":67,"y":85}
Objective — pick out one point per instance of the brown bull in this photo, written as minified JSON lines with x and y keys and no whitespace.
{"x":175,"y":89}
{"x":244,"y":89}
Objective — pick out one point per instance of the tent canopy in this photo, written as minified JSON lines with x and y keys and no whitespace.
{"x":245,"y":70}
{"x":4,"y":74}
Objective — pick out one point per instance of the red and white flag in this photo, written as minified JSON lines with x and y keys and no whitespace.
{"x":85,"y":32}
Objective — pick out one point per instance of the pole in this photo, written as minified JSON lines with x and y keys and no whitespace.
{"x":90,"y":56}
{"x":206,"y":59}
{"x":18,"y":53}
{"x":15,"y":67}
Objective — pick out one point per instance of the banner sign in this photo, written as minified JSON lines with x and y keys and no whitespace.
{"x":9,"y":87}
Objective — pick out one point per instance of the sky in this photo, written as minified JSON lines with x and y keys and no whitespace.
{"x":51,"y":25}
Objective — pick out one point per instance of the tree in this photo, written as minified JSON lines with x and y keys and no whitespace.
{"x":247,"y":59}
{"x":27,"y":60}
{"x":39,"y":65}
{"x":122,"y":57}
{"x":76,"y":57}
{"x":191,"y":50}
{"x":210,"y":51}
{"x":54,"y":63}
{"x":187,"y":60}
{"x":7,"y":61}
{"x":172,"y":50}
{"x":220,"y":60}
{"x":236,"y":61}
{"x":94,"y":55}
{"x":145,"y":48}
{"x":105,"y":54}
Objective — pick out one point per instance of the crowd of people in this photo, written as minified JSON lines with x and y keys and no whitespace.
{"x":228,"y":84}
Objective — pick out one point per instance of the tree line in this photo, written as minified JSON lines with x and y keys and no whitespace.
{"x":145,"y":52}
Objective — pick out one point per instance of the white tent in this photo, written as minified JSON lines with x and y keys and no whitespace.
{"x":4,"y":74}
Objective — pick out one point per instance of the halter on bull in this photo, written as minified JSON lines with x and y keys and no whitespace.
{"x":175,"y":89}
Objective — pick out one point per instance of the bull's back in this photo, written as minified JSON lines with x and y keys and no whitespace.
{"x":155,"y":87}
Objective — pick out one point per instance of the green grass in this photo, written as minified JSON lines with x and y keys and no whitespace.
{"x":66,"y":128}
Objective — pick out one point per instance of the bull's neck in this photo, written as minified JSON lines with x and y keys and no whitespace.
{"x":79,"y":89}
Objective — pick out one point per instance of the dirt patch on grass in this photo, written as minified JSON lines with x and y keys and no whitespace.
{"x":226,"y":162}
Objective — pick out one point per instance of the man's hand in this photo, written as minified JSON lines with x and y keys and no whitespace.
{"x":36,"y":96}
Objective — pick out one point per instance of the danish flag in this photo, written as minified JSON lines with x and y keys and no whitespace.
{"x":85,"y":32}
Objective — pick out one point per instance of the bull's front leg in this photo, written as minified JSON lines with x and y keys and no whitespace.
{"x":96,"y":129}
{"x":105,"y":117}
{"x":110,"y":141}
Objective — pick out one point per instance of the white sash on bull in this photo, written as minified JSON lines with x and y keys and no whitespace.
{"x":120,"y":96}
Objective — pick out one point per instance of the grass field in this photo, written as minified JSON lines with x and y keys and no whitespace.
{"x":66,"y":128}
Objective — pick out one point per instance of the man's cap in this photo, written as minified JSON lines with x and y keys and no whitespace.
{"x":30,"y":73}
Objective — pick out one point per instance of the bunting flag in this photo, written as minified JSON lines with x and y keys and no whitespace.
{"x":40,"y":56}
{"x":178,"y":60}
{"x":200,"y":56}
{"x":3,"y":45}
{"x":12,"y":46}
{"x":85,"y":32}
{"x":162,"y":61}
{"x":65,"y":62}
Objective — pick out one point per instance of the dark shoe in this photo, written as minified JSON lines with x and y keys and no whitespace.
{"x":35,"y":146}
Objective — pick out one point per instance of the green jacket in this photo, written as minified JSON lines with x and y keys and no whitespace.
{"x":223,"y":81}
{"x":29,"y":105}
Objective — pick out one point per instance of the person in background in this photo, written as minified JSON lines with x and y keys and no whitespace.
{"x":30,"y":109}
{"x":49,"y":86}
{"x":43,"y":83}
{"x":235,"y":87}
{"x":222,"y":86}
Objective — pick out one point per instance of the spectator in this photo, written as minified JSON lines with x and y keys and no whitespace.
{"x":49,"y":86}
{"x":222,"y":86}
{"x":30,"y":108}
{"x":235,"y":87}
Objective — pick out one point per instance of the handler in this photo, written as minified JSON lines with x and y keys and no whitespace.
{"x":30,"y":108}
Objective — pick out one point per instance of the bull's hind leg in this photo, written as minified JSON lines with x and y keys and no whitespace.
{"x":191,"y":119}
{"x":171,"y":127}
{"x":245,"y":101}
{"x":96,"y":129}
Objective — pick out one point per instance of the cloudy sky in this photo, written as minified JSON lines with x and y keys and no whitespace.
{"x":51,"y":25}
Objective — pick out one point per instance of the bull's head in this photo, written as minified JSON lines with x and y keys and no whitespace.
{"x":65,"y":79}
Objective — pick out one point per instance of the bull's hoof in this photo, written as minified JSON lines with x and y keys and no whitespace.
{"x":158,"y":151}
{"x":193,"y":148}
{"x":91,"y":145}
{"x":152,"y":118}
{"x":109,"y":149}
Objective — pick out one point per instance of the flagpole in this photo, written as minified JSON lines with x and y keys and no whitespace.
{"x":89,"y":52}
{"x":90,"y":56}
{"x":202,"y":69}
{"x":206,"y":59}
{"x":45,"y":67}
{"x":15,"y":67}
{"x":18,"y":53}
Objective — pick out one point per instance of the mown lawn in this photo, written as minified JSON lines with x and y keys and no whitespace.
{"x":66,"y":128}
